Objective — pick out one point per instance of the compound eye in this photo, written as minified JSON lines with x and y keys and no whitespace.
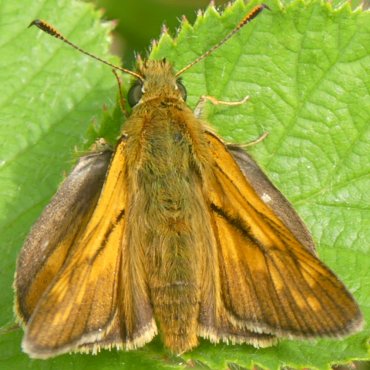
{"x":182,"y":89}
{"x":135,"y":93}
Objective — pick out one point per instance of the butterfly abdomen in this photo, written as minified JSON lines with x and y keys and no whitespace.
{"x":176,"y":311}
{"x":172,"y":260}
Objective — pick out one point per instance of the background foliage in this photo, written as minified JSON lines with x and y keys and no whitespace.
{"x":306,"y":67}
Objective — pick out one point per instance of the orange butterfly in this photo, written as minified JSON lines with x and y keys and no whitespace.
{"x":173,"y":232}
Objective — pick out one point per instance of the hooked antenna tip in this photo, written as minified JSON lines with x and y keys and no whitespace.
{"x":35,"y":22}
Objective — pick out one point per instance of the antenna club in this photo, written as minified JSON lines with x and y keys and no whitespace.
{"x":46,"y":27}
{"x":253,"y":13}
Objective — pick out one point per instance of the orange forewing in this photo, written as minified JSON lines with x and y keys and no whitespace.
{"x":82,"y":304}
{"x":53,"y":235}
{"x":270,"y":281}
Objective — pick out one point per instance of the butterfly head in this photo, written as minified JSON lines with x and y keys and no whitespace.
{"x":157,"y":80}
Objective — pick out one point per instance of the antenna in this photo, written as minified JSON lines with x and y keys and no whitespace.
{"x":250,"y":16}
{"x":48,"y":28}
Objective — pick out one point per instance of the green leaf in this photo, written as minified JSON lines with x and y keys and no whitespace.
{"x":306,"y":67}
{"x":47,"y":101}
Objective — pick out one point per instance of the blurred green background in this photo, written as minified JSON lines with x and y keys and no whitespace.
{"x":139,"y":22}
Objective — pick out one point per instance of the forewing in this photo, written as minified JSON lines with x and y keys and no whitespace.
{"x":82,"y":309}
{"x":270,"y":282}
{"x":53,"y":235}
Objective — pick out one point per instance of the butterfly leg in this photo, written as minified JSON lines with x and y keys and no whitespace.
{"x":256,"y":141}
{"x":203,"y":99}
